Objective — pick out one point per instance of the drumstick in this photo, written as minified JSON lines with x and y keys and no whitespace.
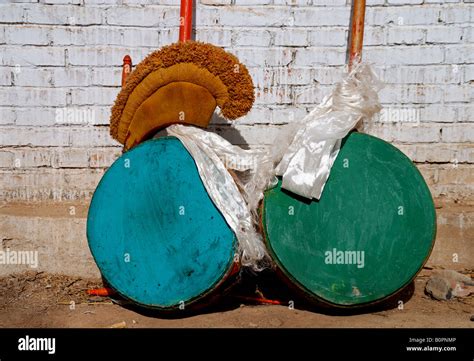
{"x":185,"y":28}
{"x":357,"y":32}
{"x":126,"y":68}
{"x":185,"y":20}
{"x":104,"y":292}
{"x":259,"y":300}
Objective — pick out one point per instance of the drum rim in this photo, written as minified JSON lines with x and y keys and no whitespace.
{"x":190,"y":303}
{"x":313,"y":296}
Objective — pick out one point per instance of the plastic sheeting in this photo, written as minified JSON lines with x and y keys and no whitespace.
{"x":305,"y":153}
{"x":311,"y":146}
{"x":237,"y":200}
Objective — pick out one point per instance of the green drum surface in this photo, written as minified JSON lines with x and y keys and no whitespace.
{"x":155,"y":234}
{"x":369,"y":234}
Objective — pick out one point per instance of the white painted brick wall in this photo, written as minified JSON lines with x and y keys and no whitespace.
{"x":251,"y":37}
{"x":406,"y":35}
{"x":65,"y":55}
{"x":327,"y":36}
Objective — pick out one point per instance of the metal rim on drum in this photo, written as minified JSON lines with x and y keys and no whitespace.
{"x":155,"y":234}
{"x":375,"y":203}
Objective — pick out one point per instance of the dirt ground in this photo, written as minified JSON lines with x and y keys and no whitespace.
{"x":43,"y":300}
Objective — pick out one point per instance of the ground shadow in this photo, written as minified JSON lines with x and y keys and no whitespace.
{"x":215,"y":303}
{"x":272,"y":286}
{"x":268,"y":287}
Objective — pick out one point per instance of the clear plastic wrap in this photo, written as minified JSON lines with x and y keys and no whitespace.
{"x":237,"y":200}
{"x":308,"y":149}
{"x":304,"y":152}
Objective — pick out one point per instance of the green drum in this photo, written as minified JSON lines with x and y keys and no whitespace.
{"x":366,"y":238}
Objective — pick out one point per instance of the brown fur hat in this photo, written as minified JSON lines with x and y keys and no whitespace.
{"x":232,"y":76}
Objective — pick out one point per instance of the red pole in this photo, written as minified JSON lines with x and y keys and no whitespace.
{"x":126,"y":68}
{"x":185,"y":20}
{"x":357,"y":31}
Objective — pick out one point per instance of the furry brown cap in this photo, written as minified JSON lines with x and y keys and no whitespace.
{"x":218,"y":62}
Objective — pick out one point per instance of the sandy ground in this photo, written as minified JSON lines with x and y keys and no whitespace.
{"x":44,"y":300}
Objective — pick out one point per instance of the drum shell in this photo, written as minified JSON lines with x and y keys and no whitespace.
{"x":132,"y":211}
{"x":383,"y":284}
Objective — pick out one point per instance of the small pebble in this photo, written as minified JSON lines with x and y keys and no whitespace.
{"x":122,"y":324}
{"x":275,"y":322}
{"x":472,"y":318}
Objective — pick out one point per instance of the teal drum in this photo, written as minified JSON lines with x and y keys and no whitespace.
{"x":155,"y":234}
{"x":366,"y":238}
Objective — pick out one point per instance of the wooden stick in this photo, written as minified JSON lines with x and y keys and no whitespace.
{"x":186,"y":20}
{"x":357,"y":31}
{"x":259,"y":300}
{"x":104,"y":292}
{"x":126,"y":68}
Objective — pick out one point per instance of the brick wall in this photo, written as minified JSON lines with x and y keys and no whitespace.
{"x":60,"y":72}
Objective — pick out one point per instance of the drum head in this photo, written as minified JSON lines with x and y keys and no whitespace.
{"x":155,"y":234}
{"x":368,"y":235}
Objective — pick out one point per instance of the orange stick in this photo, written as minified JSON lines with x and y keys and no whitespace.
{"x":185,"y":20}
{"x":260,"y":300}
{"x":126,"y":68}
{"x":101,"y":292}
{"x":357,"y":31}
